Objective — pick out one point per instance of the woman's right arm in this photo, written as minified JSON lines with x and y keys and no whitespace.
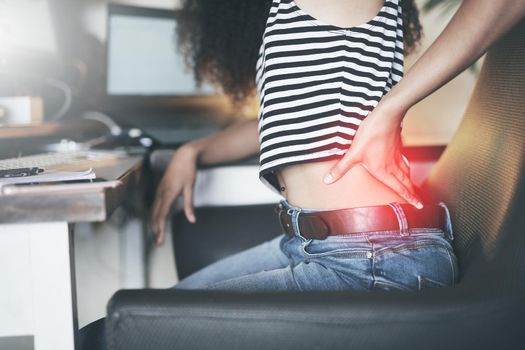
{"x":238,"y":141}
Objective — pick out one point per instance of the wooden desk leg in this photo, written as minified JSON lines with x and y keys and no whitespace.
{"x":39,"y":290}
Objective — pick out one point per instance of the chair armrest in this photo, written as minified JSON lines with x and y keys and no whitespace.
{"x":433,"y":319}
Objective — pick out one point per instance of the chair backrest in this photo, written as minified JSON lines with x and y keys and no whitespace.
{"x":481,"y":173}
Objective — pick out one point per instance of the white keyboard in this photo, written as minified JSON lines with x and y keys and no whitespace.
{"x":46,"y":160}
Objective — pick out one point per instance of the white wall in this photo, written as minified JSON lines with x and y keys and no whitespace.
{"x":435,"y":119}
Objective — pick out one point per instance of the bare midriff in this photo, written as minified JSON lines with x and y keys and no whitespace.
{"x":304,"y":187}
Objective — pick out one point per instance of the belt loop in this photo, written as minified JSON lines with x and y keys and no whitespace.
{"x":448,"y":225}
{"x":401,"y":218}
{"x":295,"y":212}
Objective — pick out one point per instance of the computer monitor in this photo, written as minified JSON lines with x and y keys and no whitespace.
{"x":143,"y":57}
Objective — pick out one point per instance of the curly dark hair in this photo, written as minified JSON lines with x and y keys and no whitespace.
{"x":221,"y":40}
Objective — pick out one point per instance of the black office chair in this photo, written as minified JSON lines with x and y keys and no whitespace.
{"x":481,"y":175}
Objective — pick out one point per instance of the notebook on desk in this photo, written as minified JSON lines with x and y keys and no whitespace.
{"x":59,"y":187}
{"x":63,"y":171}
{"x":49,"y":176}
{"x":52,"y":181}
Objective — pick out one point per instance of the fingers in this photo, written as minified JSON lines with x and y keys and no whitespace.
{"x":405,"y":160}
{"x":188,"y":204}
{"x":163,"y":200}
{"x":402,"y":185}
{"x":162,"y":206}
{"x":403,"y":165}
{"x":154,"y":216}
{"x":341,"y":168}
{"x":398,"y":180}
{"x":404,"y":176}
{"x":161,"y":211}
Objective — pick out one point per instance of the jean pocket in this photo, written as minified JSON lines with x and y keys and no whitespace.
{"x":417,"y":264}
{"x":355,"y":247}
{"x":425,"y":282}
{"x":388,"y":285}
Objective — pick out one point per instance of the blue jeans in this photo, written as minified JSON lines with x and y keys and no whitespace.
{"x":403,"y":259}
{"x":400,"y":259}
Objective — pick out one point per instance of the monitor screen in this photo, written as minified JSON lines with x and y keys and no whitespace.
{"x":143,"y":57}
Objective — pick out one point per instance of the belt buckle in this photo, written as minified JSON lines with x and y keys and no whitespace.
{"x":310,"y":226}
{"x":284,"y":220}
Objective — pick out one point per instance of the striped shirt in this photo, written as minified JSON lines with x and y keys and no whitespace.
{"x":316,"y":82}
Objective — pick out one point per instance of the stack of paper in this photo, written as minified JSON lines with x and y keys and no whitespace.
{"x":49,"y":176}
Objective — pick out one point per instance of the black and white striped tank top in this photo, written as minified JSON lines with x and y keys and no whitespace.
{"x":316,"y":82}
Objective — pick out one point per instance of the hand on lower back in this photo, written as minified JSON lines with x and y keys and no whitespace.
{"x":377,"y":147}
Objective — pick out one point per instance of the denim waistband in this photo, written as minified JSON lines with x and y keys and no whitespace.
{"x":295,"y":212}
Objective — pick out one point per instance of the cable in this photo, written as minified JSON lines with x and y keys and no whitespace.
{"x":68,"y":97}
{"x":104,"y":119}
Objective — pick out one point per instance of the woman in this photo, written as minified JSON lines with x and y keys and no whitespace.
{"x":328,"y":76}
{"x":317,"y":82}
{"x":225,"y":43}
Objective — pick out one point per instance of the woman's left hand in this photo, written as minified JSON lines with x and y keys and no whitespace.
{"x":377,"y":147}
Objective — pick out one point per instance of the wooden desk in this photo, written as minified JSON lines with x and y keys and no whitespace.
{"x":38,"y":298}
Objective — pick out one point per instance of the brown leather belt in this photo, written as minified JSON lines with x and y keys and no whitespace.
{"x":320,"y":225}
